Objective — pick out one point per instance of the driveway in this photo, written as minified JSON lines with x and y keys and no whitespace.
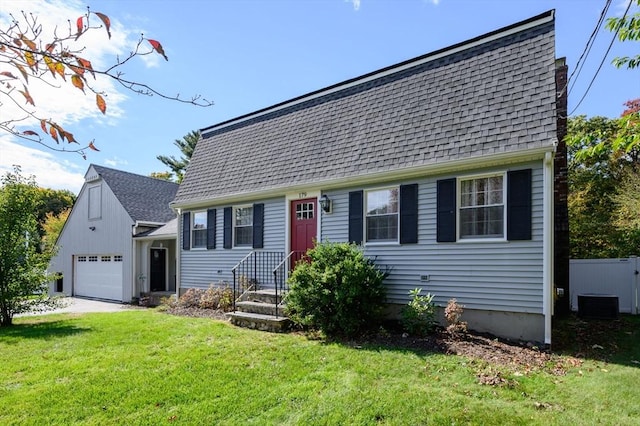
{"x":80,"y":305}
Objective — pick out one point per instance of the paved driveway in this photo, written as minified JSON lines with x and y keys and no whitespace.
{"x":80,"y":305}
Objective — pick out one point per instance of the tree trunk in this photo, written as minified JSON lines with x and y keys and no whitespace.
{"x":5,"y":318}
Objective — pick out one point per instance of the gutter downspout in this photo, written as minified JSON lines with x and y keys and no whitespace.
{"x":547,"y":246}
{"x":134,"y":260}
{"x":178,"y":250}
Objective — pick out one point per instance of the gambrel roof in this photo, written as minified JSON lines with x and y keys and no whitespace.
{"x":144,"y":198}
{"x":488,"y":96}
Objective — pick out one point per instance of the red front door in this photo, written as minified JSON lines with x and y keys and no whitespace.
{"x":304,"y":224}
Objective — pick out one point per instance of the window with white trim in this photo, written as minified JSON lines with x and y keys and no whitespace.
{"x":243,"y":226}
{"x":199,"y":230}
{"x":117,"y":258}
{"x":382,"y":215}
{"x":482,"y":207}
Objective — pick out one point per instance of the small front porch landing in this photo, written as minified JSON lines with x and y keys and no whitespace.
{"x":154,"y":298}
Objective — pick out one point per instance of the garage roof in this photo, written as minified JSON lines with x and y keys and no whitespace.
{"x":145,"y":199}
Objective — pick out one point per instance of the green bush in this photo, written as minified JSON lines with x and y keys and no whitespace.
{"x":418,"y":317}
{"x":336,"y":290}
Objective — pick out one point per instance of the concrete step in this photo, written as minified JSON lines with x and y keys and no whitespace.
{"x":259,"y":321}
{"x":264,"y":296}
{"x":251,"y":306}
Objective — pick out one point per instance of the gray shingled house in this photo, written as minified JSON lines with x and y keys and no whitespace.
{"x":441,"y":167}
{"x":120,"y":238}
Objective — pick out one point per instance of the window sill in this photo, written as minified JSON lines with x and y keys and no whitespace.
{"x":381,"y":243}
{"x":481,"y":240}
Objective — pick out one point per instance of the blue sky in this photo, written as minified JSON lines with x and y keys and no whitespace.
{"x":247,"y":54}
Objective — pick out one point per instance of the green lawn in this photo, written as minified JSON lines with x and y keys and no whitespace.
{"x":145,"y":367}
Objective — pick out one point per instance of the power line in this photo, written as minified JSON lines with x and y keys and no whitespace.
{"x":603,"y":59}
{"x":588,"y":46}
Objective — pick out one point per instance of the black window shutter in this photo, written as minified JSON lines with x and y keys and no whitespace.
{"x":211,"y":229}
{"x":519,"y":205}
{"x":409,"y":214}
{"x":258,"y":225}
{"x":186,"y":231}
{"x":446,"y":211}
{"x":356,"y":212}
{"x":228,"y":228}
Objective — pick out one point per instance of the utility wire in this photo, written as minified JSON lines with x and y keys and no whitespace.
{"x":588,"y":46}
{"x":602,"y":62}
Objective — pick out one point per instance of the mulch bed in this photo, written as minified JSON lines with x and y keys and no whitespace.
{"x":575,"y":341}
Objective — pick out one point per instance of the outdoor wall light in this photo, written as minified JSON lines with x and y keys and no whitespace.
{"x":93,"y":228}
{"x":325,"y":203}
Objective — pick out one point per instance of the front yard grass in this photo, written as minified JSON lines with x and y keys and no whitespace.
{"x":144,"y":367}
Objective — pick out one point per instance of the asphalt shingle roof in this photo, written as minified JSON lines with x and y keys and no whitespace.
{"x":473,"y":99}
{"x":146,"y":199}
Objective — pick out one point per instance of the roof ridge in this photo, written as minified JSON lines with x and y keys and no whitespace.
{"x":97,"y":166}
{"x":391,"y":69}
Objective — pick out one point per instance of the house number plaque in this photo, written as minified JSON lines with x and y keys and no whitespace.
{"x":302,"y":195}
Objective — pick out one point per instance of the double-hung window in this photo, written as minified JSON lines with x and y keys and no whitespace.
{"x":243,"y":226}
{"x":382,"y":218}
{"x":199,"y":230}
{"x":482,"y":207}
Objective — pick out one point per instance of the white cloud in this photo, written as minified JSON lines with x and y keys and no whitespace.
{"x":49,"y":172}
{"x":622,"y":5}
{"x":115,"y":162}
{"x":58,"y":100}
{"x":356,"y":4}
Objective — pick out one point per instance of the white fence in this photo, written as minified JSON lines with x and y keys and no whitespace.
{"x":619,"y":277}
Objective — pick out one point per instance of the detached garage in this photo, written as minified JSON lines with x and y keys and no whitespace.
{"x":97,"y":253}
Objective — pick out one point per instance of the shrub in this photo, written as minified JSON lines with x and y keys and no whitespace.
{"x":220,"y":297}
{"x":337,"y":290}
{"x":453,"y":313}
{"x":190,"y":298}
{"x":418,"y":317}
{"x":215,"y":297}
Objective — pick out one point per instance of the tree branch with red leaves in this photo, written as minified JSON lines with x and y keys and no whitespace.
{"x":26,"y":54}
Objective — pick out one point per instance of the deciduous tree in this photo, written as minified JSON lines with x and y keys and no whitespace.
{"x":23,"y":267}
{"x":52,"y":226}
{"x":627,"y":29}
{"x":602,"y":173}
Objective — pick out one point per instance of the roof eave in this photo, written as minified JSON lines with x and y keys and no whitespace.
{"x":440,"y":167}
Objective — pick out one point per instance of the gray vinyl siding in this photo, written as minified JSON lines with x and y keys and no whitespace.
{"x":112,"y":236}
{"x":200,"y":268}
{"x":501,"y":276}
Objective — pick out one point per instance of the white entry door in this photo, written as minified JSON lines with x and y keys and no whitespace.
{"x":98,"y":276}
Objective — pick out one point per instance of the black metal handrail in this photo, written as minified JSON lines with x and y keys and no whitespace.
{"x":280,"y":274}
{"x":253,"y":272}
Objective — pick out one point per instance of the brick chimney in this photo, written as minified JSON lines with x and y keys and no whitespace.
{"x":561,"y":191}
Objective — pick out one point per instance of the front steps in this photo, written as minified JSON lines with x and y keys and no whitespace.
{"x":257,"y":310}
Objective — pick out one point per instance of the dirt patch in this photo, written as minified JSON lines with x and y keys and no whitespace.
{"x":507,"y":355}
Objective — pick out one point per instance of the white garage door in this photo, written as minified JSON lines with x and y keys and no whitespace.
{"x":98,"y":276}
